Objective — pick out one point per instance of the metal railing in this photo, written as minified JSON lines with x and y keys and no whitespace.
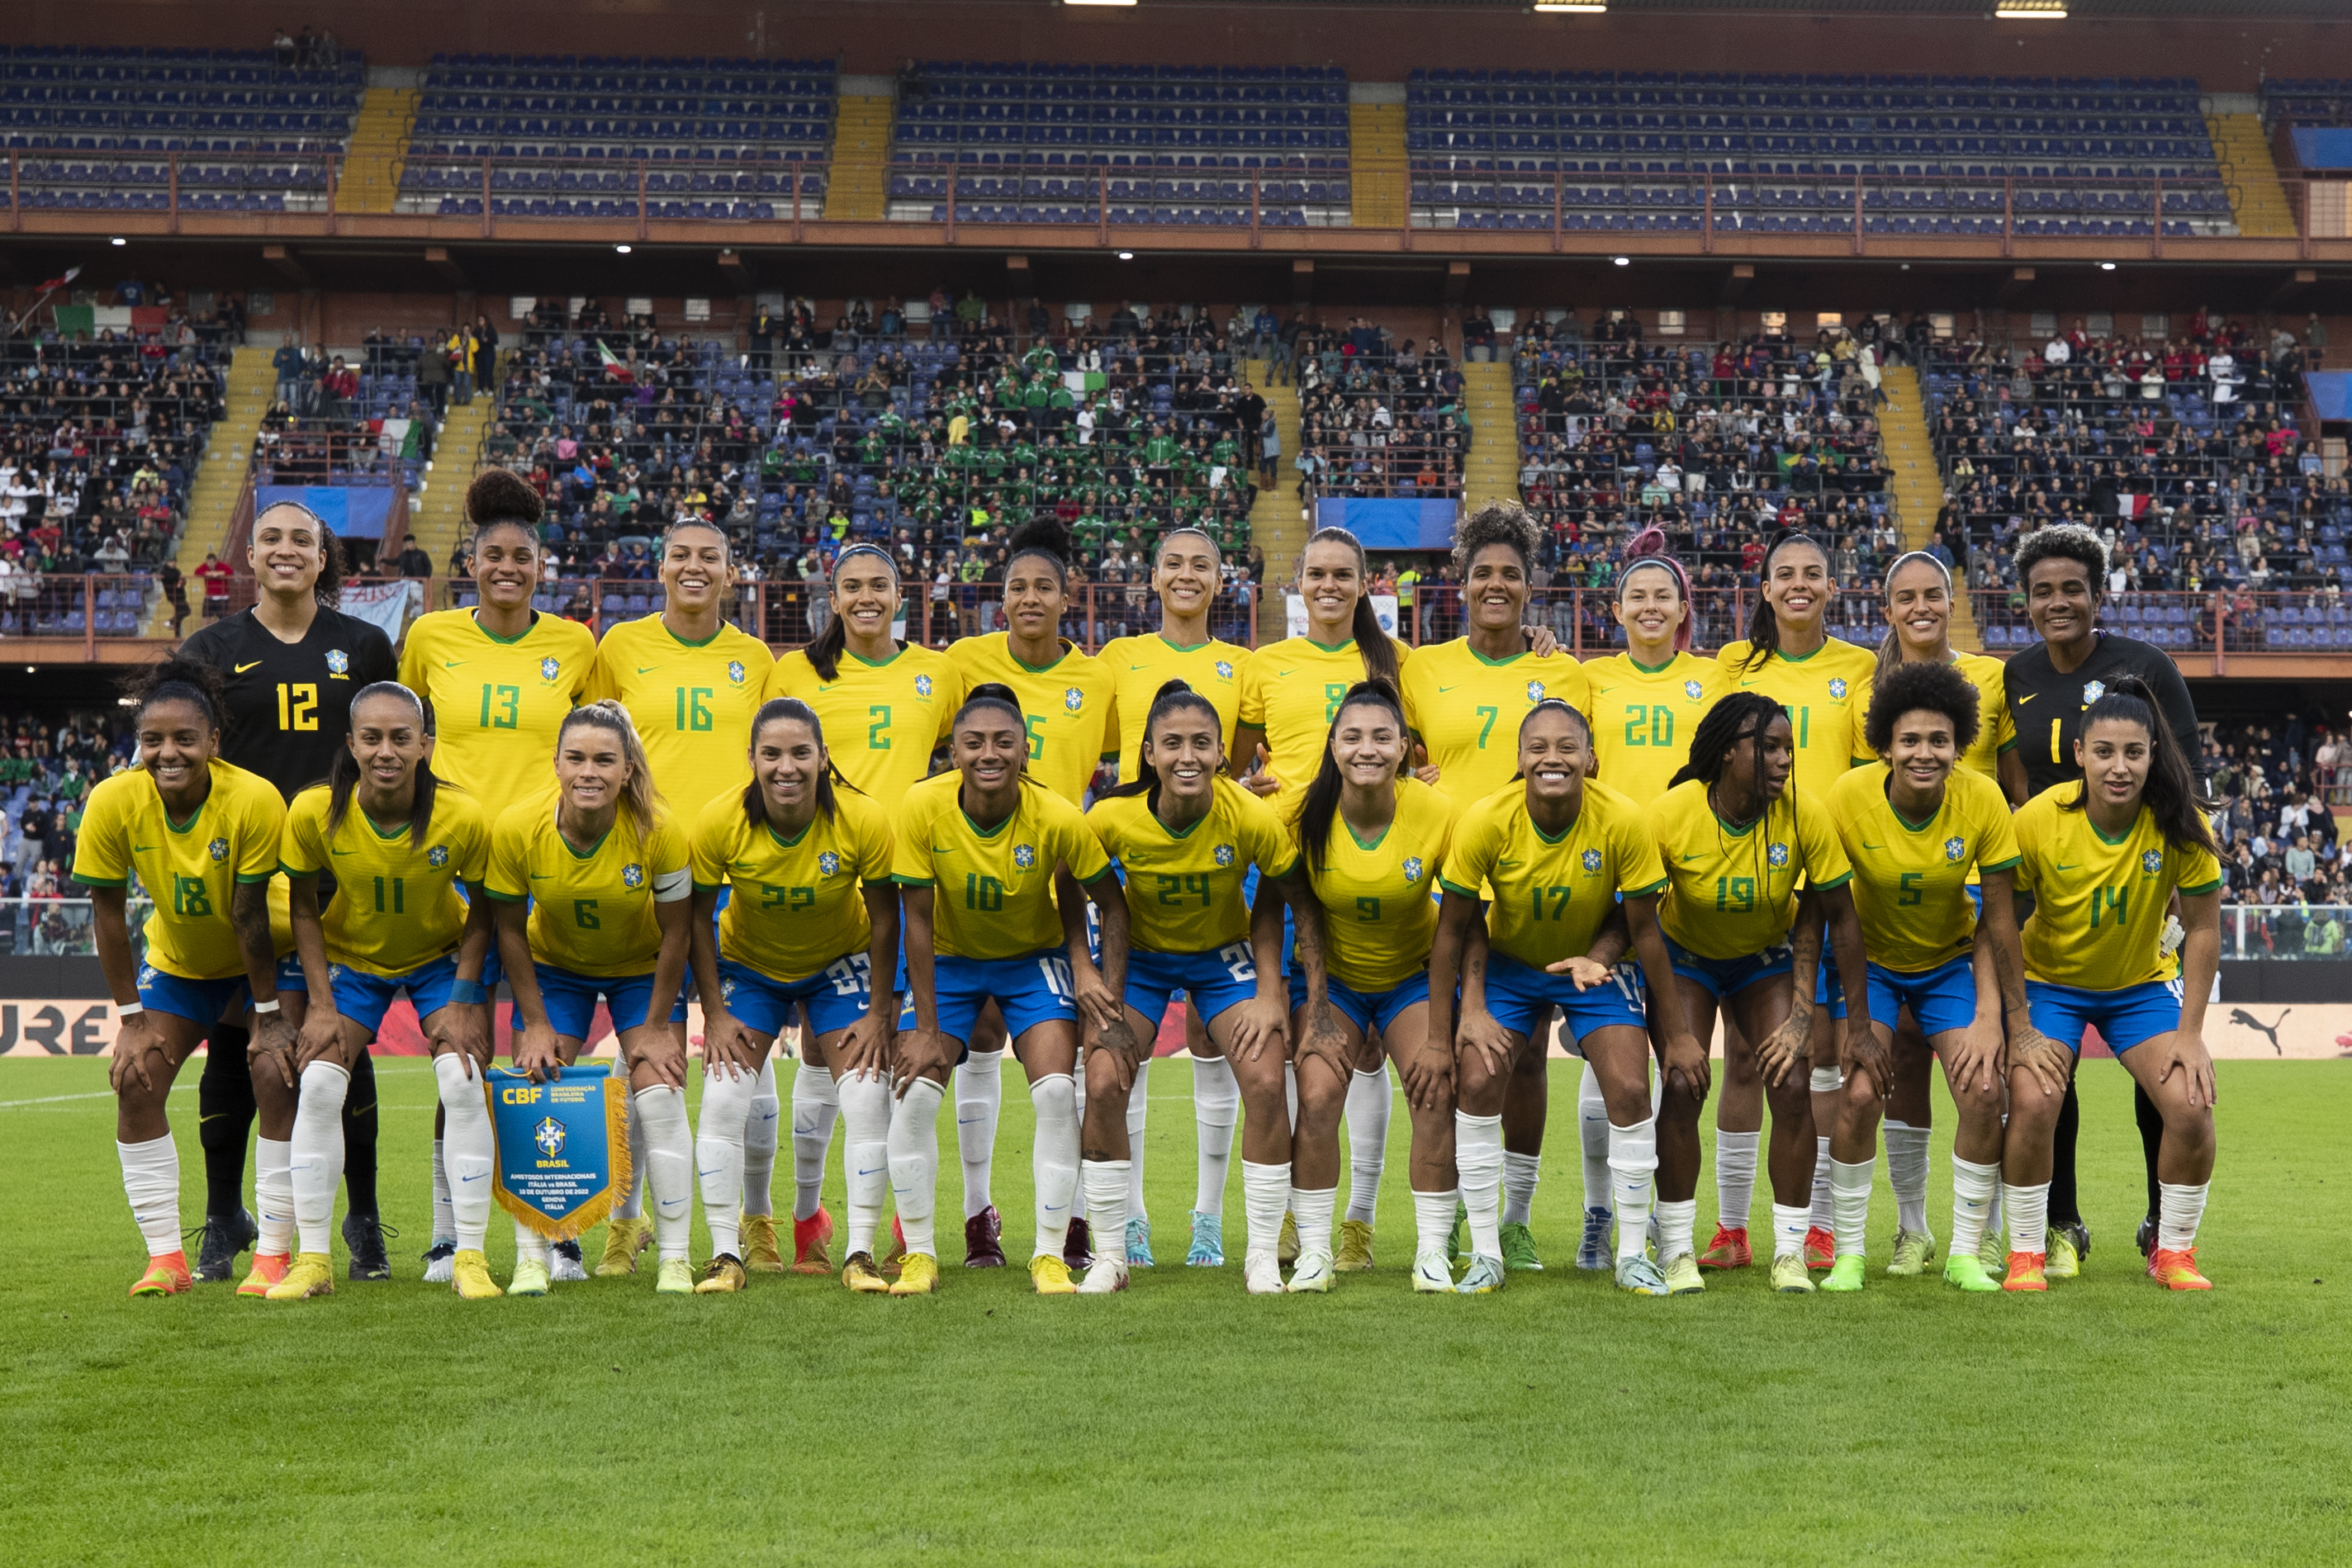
{"x":2225,"y":621}
{"x":94,"y":607}
{"x":52,"y":926}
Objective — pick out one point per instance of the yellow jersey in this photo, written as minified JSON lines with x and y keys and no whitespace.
{"x":882,"y":722}
{"x":1910,"y":879}
{"x":1291,"y":690}
{"x":1466,"y":709}
{"x":1380,"y":914}
{"x":993,"y":893}
{"x":1734,"y":890}
{"x":191,"y":868}
{"x":496,"y":705}
{"x":1643,"y":718}
{"x":396,"y":905}
{"x":1139,"y":666}
{"x":692,"y":704}
{"x":1822,"y":694}
{"x":1066,"y":706}
{"x":1996,"y":732}
{"x":797,"y":907}
{"x":2099,"y":903}
{"x":1550,"y":895}
{"x":592,"y":913}
{"x":1184,"y":888}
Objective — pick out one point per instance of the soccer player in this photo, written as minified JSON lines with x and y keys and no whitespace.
{"x":1375,"y":845}
{"x":690,"y":682}
{"x":289,"y":667}
{"x":1789,"y":657}
{"x":977,"y":853}
{"x":604,"y":869}
{"x":201,"y":836}
{"x":2102,"y":856}
{"x":2063,"y":568}
{"x":816,"y":917}
{"x":401,"y":846}
{"x":1915,"y":826}
{"x":1067,"y":701}
{"x":1554,"y":856}
{"x":499,"y":677}
{"x":1467,"y":698}
{"x":1755,"y":868}
{"x":1185,"y":575}
{"x":1187,"y":838}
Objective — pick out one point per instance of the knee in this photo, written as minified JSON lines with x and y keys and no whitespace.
{"x":1477,"y":1085}
{"x":1102,"y":1084}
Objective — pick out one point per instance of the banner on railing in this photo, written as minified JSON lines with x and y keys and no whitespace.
{"x":389,"y":605}
{"x":1294,"y":614}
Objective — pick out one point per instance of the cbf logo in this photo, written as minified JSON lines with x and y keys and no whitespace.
{"x":1837,"y":688}
{"x":1412,"y":868}
{"x":218,"y":850}
{"x":735,"y":672}
{"x":550,"y":668}
{"x":339,"y":664}
{"x":2151,"y":862}
{"x":1224,"y":855}
{"x":1592,"y":859}
{"x":1693,"y":690}
{"x":146,"y":976}
{"x":548,"y":1137}
{"x":1074,"y":699}
{"x":827,"y":863}
{"x":633,"y":876}
{"x":2092,"y":691}
{"x":1955,"y":848}
{"x":1775,"y":855}
{"x":437,"y":856}
{"x":1535,"y":691}
{"x":1024,"y":856}
{"x":922,"y":685}
{"x":1225,"y":669}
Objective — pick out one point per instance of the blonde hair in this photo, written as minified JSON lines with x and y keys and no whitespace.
{"x":641,"y":800}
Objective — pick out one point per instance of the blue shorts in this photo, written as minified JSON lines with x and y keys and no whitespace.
{"x":836,"y":996}
{"x":571,"y":1000}
{"x":2123,"y":1017}
{"x":364,"y":998}
{"x":204,"y":1001}
{"x":1216,"y":981}
{"x":1941,"y":998}
{"x":1516,"y":996}
{"x":1729,"y":977}
{"x":1028,"y":991}
{"x":1370,"y":1009}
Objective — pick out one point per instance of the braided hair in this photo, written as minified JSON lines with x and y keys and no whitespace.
{"x":1726,"y":724}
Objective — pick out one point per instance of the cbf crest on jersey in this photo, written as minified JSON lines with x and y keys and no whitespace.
{"x":1954,"y":848}
{"x":633,"y":876}
{"x":339,"y":664}
{"x":1775,"y":855}
{"x":735,"y":672}
{"x":922,"y":685}
{"x":1024,"y":856}
{"x":1224,"y":855}
{"x":1693,"y":690}
{"x":1837,"y":688}
{"x":1225,"y":669}
{"x":2151,"y":862}
{"x":218,"y":850}
{"x":2092,"y":691}
{"x":549,"y":668}
{"x":1535,"y":691}
{"x":437,"y":856}
{"x":1592,"y":859}
{"x":563,"y":1147}
{"x":1412,"y":868}
{"x":827,"y":863}
{"x":1074,"y":699}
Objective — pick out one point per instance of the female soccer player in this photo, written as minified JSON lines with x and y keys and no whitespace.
{"x":2102,"y":856}
{"x":603,"y":868}
{"x":399,"y":846}
{"x":1755,"y":868}
{"x":499,"y":677}
{"x":1375,"y":845}
{"x":1187,"y":838}
{"x":1185,"y":576}
{"x":976,"y":853}
{"x":200,"y":835}
{"x":1646,"y":701}
{"x":1789,"y":657}
{"x":815,"y":918}
{"x":1916,"y":827}
{"x":1554,"y":857}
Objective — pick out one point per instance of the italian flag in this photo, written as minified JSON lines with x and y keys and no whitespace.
{"x":611,"y":362}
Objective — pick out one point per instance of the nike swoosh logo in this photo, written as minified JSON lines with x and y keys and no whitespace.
{"x":878,"y":1170}
{"x":2026,"y":697}
{"x":1138,"y":667}
{"x":1283,"y":674}
{"x":141,"y":849}
{"x":255,"y":665}
{"x":2063,"y":866}
{"x":942,"y":850}
{"x":975,"y":1122}
{"x":340,"y":851}
{"x":475,"y":1176}
{"x":451,"y":663}
{"x":1687,"y":858}
{"x":647,"y":669}
{"x":539,"y":877}
{"x":1868,"y":845}
{"x":1500,"y":864}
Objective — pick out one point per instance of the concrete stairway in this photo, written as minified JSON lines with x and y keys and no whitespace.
{"x":437,"y":515}
{"x":857,"y":188}
{"x":2256,"y":198}
{"x":220,"y":480}
{"x":1275,"y":525}
{"x":1376,"y":159}
{"x":1916,"y":483}
{"x":379,"y":149}
{"x":1493,"y":471}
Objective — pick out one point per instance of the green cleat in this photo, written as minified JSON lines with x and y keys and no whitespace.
{"x":2068,"y":1246}
{"x":675,"y":1278}
{"x":1846,"y":1273}
{"x":1789,"y":1276}
{"x":1459,"y":1244}
{"x":1519,"y":1251}
{"x":1914,"y":1249}
{"x":1682,"y":1276}
{"x":1967,"y":1270}
{"x":530,"y":1278}
{"x":1992,"y":1251}
{"x":1639,"y":1277}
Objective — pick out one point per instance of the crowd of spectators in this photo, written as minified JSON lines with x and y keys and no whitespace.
{"x":49,"y":764}
{"x":2274,"y":782}
{"x":1376,"y":417}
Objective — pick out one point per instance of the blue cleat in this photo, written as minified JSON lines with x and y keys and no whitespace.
{"x":1138,"y":1242}
{"x":1207,"y":1241}
{"x":1484,"y":1277}
{"x":1595,"y":1251}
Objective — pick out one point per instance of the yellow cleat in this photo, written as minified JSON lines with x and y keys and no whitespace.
{"x":312,"y":1274}
{"x":269,"y":1268}
{"x":1683,"y":1278}
{"x":674,"y":1278}
{"x":1914,"y":1250}
{"x":918,"y":1275}
{"x":759,"y":1254}
{"x":530,"y":1278}
{"x":1050,"y":1276}
{"x":722,"y":1276}
{"x":1355,"y":1247}
{"x":1789,"y":1275}
{"x":860,"y":1275}
{"x":1286,"y":1253}
{"x":469,"y":1276}
{"x":2061,"y":1261}
{"x":624,"y":1240}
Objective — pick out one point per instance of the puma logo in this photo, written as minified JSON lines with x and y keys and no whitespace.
{"x":2268,"y":1032}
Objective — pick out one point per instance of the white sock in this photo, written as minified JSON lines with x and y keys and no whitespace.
{"x":1973,"y":1186}
{"x":150,"y":1180}
{"x":2029,"y":1217}
{"x":1105,"y":1183}
{"x":1632,"y":1161}
{"x":1906,"y":1173}
{"x":1290,"y":1091}
{"x":1432,"y":1221}
{"x":1788,"y":1223}
{"x":978,"y":1095}
{"x":1827,"y":1079}
{"x":1312,"y":1210}
{"x":633,"y":1202}
{"x":1993,"y":1216}
{"x":1592,"y":1136}
{"x":1825,"y":1210}
{"x":1137,"y":1108}
{"x":444,"y":1218}
{"x":1850,"y":1204}
{"x":1216,"y":1106}
{"x":1675,"y":1223}
{"x":815,"y":1108}
{"x":530,"y":1244}
{"x":719,"y":1155}
{"x":2178,"y":1210}
{"x":1734,"y":1177}
{"x":1055,"y":1162}
{"x":760,"y":1141}
{"x":669,"y":1168}
{"x":866,"y":1154}
{"x":472,"y":1147}
{"x":1520,"y":1173}
{"x":1265,"y":1193}
{"x":1478,"y":1162}
{"x":1368,"y":1142}
{"x":316,"y":1166}
{"x":914,"y":1152}
{"x":273,"y":1196}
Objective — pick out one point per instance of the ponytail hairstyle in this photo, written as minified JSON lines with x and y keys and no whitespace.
{"x":755,"y":809}
{"x":1763,"y":626}
{"x":1173,"y":696}
{"x":502,"y":499}
{"x":332,"y":568}
{"x":1649,"y":547}
{"x":1554,"y":705}
{"x":2170,"y":792}
{"x":990,"y":694}
{"x":344,"y":772}
{"x":1321,"y":803}
{"x":825,"y":653}
{"x":1890,"y":647}
{"x":1048,"y":541}
{"x":1905,"y":688}
{"x":640,"y":799}
{"x":1373,"y":644}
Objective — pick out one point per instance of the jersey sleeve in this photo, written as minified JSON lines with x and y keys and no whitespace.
{"x":673,"y":876}
{"x":1273,"y":852}
{"x":910,"y":831}
{"x":1826,"y":866}
{"x":601,"y":686}
{"x":1076,"y":847}
{"x":377,"y":657}
{"x":1444,"y":843}
{"x":951,"y":684}
{"x":508,"y":876}
{"x":2179,"y":710}
{"x":1574,"y":686}
{"x":2200,"y":872}
{"x":304,"y":851}
{"x":413,"y":659}
{"x":1639,"y":869}
{"x":1859,"y":751}
{"x":707,"y":845}
{"x":102,"y":849}
{"x":2026,"y":827}
{"x":262,"y":817}
{"x":1476,"y":841}
{"x":474,"y":852}
{"x":1253,"y":705}
{"x":872,"y":844}
{"x":1409,"y":692}
{"x":1996,"y":831}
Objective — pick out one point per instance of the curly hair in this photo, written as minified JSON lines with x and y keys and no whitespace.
{"x":500,"y":497}
{"x":1905,"y":688}
{"x":1505,"y":523}
{"x":2064,"y":541}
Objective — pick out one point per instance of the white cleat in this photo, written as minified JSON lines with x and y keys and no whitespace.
{"x":1260,"y":1274}
{"x":1313,"y":1273}
{"x":1430,"y":1273}
{"x":440,"y":1266}
{"x":563,"y":1262}
{"x":1103,"y":1278}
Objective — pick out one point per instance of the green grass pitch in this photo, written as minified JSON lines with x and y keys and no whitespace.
{"x":1183,"y":1422}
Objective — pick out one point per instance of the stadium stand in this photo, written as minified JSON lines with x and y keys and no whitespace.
{"x":1378,"y":418}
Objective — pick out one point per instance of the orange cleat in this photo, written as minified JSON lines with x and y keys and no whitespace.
{"x":166,"y":1275}
{"x":269,"y":1268}
{"x":2176,"y":1271}
{"x":2025,"y":1272}
{"x":1820,"y":1249}
{"x":897,"y":1250}
{"x":1728,"y":1251}
{"x":809,"y":1236}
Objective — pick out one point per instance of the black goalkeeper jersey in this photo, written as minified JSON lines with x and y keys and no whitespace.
{"x":289,"y":704}
{"x":2047,"y":707}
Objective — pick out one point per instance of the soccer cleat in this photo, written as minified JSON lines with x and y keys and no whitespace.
{"x":469,"y":1276}
{"x":1079,"y":1244}
{"x":1992,"y":1251}
{"x":1313,"y":1273}
{"x":1592,"y":1251}
{"x":1790,"y":1276}
{"x":530,"y":1278}
{"x":1914,"y":1250}
{"x":1484,"y":1277}
{"x":1967,"y":1270}
{"x":1682,"y":1275}
{"x":1846,"y":1273}
{"x":1103,"y":1278}
{"x":2069,"y":1245}
{"x":1641,"y":1277}
{"x":1050,"y":1276}
{"x":436,"y":1260}
{"x":269,"y":1268}
{"x":1519,"y":1251}
{"x":624,"y":1240}
{"x":1458,"y":1244}
{"x":224,"y":1236}
{"x":1820,"y":1249}
{"x":674,"y":1278}
{"x":2146,"y":1236}
{"x":759,"y":1237}
{"x":1286,"y":1250}
{"x":1355,"y":1247}
{"x":2027,"y":1271}
{"x":565,"y":1264}
{"x":1430,"y":1272}
{"x":1138,"y":1242}
{"x":310,"y":1274}
{"x":1260,"y":1275}
{"x":722,"y":1276}
{"x":2175,"y":1270}
{"x":897,"y":1250}
{"x":1207,"y":1241}
{"x":1728,"y":1251}
{"x":917,"y":1276}
{"x":364,"y":1235}
{"x":165,"y":1276}
{"x":809,"y":1236}
{"x":983,"y":1243}
{"x":860,"y":1275}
